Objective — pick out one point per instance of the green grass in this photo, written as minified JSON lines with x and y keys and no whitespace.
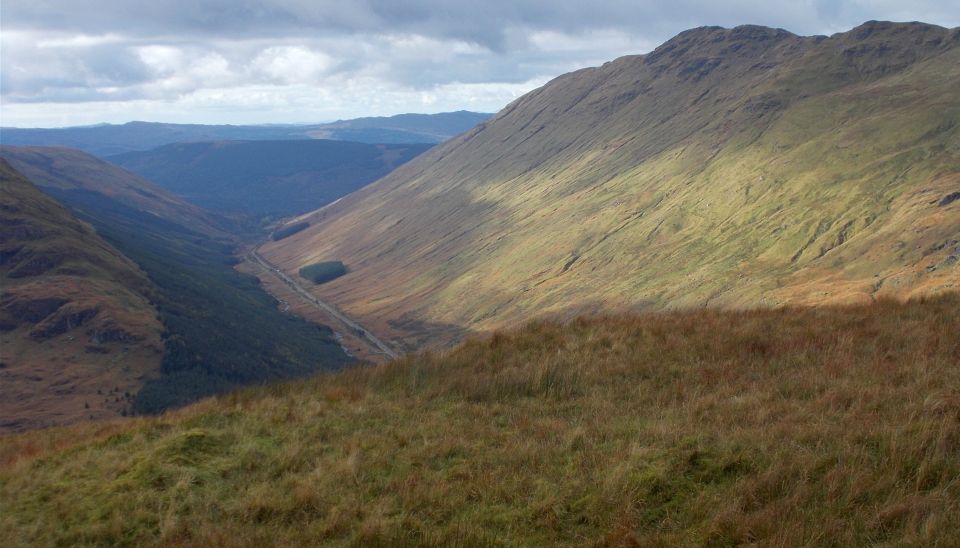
{"x":826,"y":426}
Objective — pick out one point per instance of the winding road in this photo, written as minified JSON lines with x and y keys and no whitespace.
{"x":355,"y":327}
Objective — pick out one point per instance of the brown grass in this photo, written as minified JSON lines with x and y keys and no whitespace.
{"x":826,"y":426}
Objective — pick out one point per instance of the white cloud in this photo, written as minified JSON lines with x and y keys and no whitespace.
{"x":86,"y":61}
{"x":298,"y":103}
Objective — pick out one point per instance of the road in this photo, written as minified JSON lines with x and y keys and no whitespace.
{"x":355,"y":327}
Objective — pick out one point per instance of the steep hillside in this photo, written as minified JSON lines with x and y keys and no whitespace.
{"x":78,"y":333}
{"x":107,"y":139}
{"x":266,"y":178}
{"x":72,"y":170}
{"x":220,"y":329}
{"x":791,"y":427}
{"x":728,"y":167}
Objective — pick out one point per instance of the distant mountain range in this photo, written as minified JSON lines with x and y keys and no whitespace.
{"x":107,"y":139}
{"x":728,"y":167}
{"x":266,"y":178}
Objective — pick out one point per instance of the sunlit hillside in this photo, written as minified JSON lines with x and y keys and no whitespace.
{"x":728,"y":167}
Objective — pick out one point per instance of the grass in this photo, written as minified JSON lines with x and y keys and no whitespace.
{"x":827,"y":426}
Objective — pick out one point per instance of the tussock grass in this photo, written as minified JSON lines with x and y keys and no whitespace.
{"x":828,"y":426}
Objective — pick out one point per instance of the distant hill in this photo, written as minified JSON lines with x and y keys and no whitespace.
{"x":220,"y":329}
{"x":72,"y":170}
{"x":266,"y":178}
{"x":108,"y":139}
{"x":78,"y":332}
{"x":402,"y":128}
{"x":728,"y":167}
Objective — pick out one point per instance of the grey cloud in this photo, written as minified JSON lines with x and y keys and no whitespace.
{"x":31,"y":71}
{"x":64,"y":51}
{"x":487,"y":23}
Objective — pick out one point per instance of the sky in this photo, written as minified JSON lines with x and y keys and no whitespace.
{"x":80,"y":62}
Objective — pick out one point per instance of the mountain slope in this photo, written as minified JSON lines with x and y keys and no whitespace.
{"x":276,"y":178}
{"x":72,"y":170}
{"x":831,"y":426}
{"x":78,"y":332}
{"x":221,"y":330}
{"x":727,"y":167}
{"x":106,"y":139}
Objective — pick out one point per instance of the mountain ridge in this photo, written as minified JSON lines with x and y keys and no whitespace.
{"x":112,"y":139}
{"x":70,"y":169}
{"x":627,"y":170}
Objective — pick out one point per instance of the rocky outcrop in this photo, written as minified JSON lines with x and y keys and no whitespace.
{"x":31,"y":310}
{"x":66,"y":319}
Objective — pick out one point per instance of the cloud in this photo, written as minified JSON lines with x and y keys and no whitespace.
{"x":202,"y":58}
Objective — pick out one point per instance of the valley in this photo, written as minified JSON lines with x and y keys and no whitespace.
{"x":349,"y":328}
{"x":213,"y":328}
{"x":266,"y":179}
{"x":706,"y":295}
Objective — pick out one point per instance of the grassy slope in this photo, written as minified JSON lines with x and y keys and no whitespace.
{"x":733,"y":167}
{"x":789,"y":427}
{"x":78,"y":322}
{"x":278,"y":178}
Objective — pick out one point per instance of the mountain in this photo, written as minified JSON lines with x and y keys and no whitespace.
{"x":833,"y":426}
{"x":728,"y":167}
{"x":78,"y":332}
{"x":221,"y":330}
{"x":64,"y":169}
{"x":402,"y":128}
{"x":266,"y":178}
{"x":107,"y":139}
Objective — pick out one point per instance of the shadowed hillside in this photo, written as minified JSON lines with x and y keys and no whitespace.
{"x":73,"y":170}
{"x":266,"y":178}
{"x":729,"y":167}
{"x":78,"y":332}
{"x":792,"y":427}
{"x":220,"y":329}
